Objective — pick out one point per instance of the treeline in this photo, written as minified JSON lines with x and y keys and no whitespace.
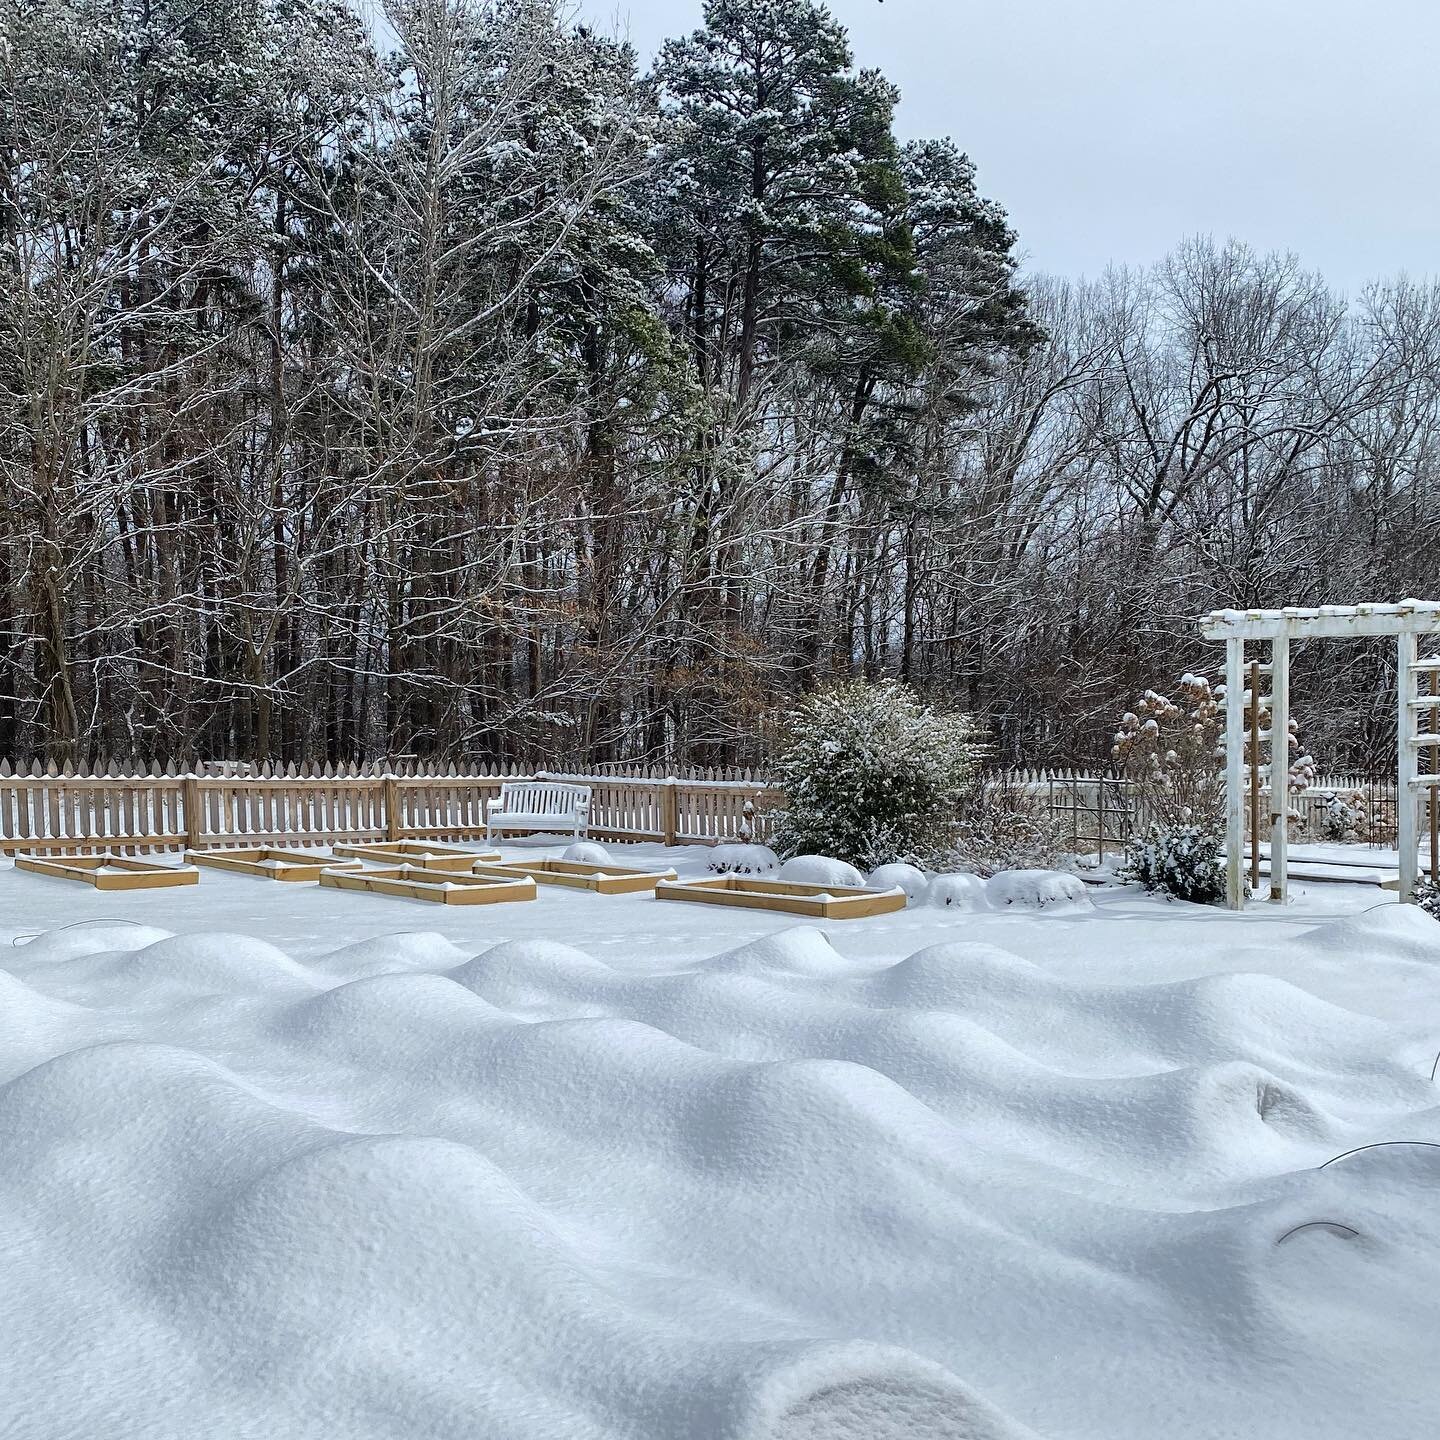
{"x":490,"y":398}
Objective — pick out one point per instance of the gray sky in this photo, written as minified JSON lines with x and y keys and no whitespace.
{"x":1110,"y":129}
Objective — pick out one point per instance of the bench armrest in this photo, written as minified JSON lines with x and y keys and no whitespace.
{"x":494,"y":802}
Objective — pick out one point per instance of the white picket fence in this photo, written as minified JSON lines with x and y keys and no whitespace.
{"x":45,"y":808}
{"x":1100,"y":812}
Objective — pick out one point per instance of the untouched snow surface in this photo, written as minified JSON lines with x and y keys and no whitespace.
{"x":939,"y":1174}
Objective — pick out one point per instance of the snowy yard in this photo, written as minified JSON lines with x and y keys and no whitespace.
{"x":591,"y":1168}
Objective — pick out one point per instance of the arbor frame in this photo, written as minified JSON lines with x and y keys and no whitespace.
{"x":1406,"y":621}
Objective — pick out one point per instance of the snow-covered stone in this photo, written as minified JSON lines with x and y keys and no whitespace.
{"x":909,"y":878}
{"x":821,"y":870}
{"x":1036,"y":890}
{"x":957,"y":892}
{"x":743,"y":860}
{"x":587,"y":852}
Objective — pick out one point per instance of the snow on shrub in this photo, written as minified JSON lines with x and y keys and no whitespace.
{"x":872,"y":775}
{"x":742,"y":860}
{"x":1427,"y":896}
{"x":1035,"y":890}
{"x":1007,"y":826}
{"x":1172,"y":752}
{"x":1346,"y":815}
{"x":1186,"y":861}
{"x":957,"y":892}
{"x":587,"y":852}
{"x":820,"y":870}
{"x":899,"y":876}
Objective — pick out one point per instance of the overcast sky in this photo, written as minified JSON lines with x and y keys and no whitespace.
{"x":1110,"y":129}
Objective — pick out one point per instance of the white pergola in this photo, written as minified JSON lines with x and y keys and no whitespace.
{"x":1407,"y":621}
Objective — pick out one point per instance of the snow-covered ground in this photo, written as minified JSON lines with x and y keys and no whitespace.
{"x":616,"y":1169}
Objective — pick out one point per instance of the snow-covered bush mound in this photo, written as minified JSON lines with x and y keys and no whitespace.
{"x":743,"y":860}
{"x":587,"y":852}
{"x":872,"y":774}
{"x":820,"y":870}
{"x":1036,"y":890}
{"x":899,"y":876}
{"x":753,"y":1197}
{"x":1185,"y":861}
{"x":957,"y":892}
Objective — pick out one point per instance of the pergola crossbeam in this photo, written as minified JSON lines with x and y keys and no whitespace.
{"x":1327,"y":622}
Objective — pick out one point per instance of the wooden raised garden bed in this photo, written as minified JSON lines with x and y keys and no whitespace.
{"x":428,"y":853}
{"x":109,"y":872}
{"x":822,"y":902}
{"x":444,"y":887}
{"x":265,"y":863}
{"x":581,"y":875}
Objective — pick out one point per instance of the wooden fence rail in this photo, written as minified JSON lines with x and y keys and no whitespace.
{"x":47,"y":811}
{"x":78,"y":813}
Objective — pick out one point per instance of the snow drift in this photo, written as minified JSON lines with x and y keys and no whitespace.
{"x":782,"y":1194}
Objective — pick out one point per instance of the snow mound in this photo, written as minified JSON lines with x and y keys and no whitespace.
{"x":743,"y":860}
{"x":820,"y":870}
{"x":533,"y":978}
{"x":1400,"y":932}
{"x":1037,"y":890}
{"x":957,"y":892}
{"x":913,"y":881}
{"x":87,"y":938}
{"x":803,"y":950}
{"x":412,"y":950}
{"x":214,"y":963}
{"x":800,"y":1190}
{"x":864,"y":1392}
{"x":587,"y":852}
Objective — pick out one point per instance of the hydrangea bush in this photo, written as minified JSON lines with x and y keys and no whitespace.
{"x":1172,"y":750}
{"x":873,"y":775}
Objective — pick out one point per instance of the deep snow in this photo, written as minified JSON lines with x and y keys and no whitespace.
{"x":600,"y":1167}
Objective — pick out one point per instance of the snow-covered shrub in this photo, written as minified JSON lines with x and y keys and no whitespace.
{"x":743,"y":860}
{"x":587,"y":852}
{"x":1427,"y":896}
{"x":1035,"y":890}
{"x":1345,"y":817}
{"x":957,"y":892}
{"x":821,"y":870}
{"x":1005,"y":826}
{"x":1186,"y":861}
{"x":899,"y":876}
{"x":872,"y":774}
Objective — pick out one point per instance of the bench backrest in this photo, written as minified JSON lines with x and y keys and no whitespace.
{"x":541,"y":797}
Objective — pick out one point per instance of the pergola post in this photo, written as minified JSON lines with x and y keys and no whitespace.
{"x":1279,"y":765}
{"x":1406,"y":620}
{"x":1235,"y":774}
{"x":1406,"y":832}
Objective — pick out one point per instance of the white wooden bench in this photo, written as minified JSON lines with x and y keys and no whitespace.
{"x":538,"y":805}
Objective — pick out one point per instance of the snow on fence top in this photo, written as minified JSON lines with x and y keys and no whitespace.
{"x":1335,"y":622}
